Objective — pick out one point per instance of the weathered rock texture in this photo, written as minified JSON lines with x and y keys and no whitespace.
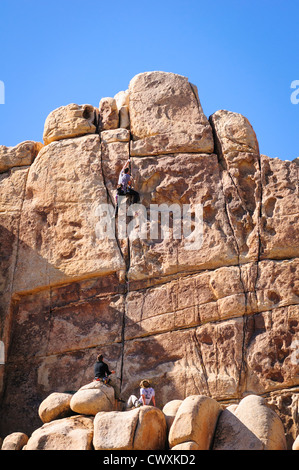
{"x":249,"y":426}
{"x":70,"y":121}
{"x":92,"y":398}
{"x":195,"y":421}
{"x":166,"y":116}
{"x":138,"y":429}
{"x":56,"y":405}
{"x":74,"y":433}
{"x":15,"y":441}
{"x":20,"y":155}
{"x":219,"y":321}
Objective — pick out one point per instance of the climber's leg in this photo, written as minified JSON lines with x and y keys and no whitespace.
{"x":135,"y":194}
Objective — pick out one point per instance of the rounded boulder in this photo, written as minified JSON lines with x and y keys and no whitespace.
{"x":15,"y":441}
{"x":55,"y":406}
{"x":92,"y":398}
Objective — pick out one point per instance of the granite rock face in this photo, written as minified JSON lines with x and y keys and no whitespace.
{"x":214,"y":315}
{"x":142,"y":428}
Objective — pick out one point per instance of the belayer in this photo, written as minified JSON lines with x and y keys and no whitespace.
{"x":124,"y":186}
{"x":147,"y":395}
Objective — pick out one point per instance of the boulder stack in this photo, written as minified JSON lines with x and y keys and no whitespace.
{"x":196,"y":423}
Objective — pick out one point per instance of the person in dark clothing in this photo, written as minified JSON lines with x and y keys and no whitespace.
{"x":101,"y":370}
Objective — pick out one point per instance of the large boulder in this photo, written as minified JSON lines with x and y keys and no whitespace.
{"x":108,"y":114}
{"x":234,"y":133}
{"x":122,"y":102}
{"x":142,"y":428}
{"x":55,"y":406}
{"x":115,"y":135}
{"x":70,"y":121}
{"x":15,"y":441}
{"x":74,"y":433}
{"x":170,"y":411}
{"x":252,"y":425}
{"x":92,"y":398}
{"x":22,"y":154}
{"x":195,"y":421}
{"x":166,"y":116}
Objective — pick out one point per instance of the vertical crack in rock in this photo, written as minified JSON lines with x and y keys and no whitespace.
{"x":127,"y":261}
{"x":127,"y":290}
{"x":18,"y":232}
{"x":221,"y":146}
{"x":203,"y":367}
{"x":243,"y":368}
{"x":243,"y":361}
{"x":260,"y":211}
{"x":7,"y":325}
{"x":11,"y":287}
{"x":258,"y":234}
{"x":109,"y":200}
{"x":206,"y":338}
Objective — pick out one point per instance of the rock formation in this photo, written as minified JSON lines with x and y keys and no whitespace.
{"x":219,"y":321}
{"x":196,"y":423}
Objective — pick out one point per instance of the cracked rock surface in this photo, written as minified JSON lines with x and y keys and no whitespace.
{"x":221,"y":320}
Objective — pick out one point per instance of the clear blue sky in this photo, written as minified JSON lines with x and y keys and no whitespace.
{"x":241,"y":54}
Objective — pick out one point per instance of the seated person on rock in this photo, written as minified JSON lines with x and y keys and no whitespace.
{"x":101,"y":370}
{"x":147,"y":395}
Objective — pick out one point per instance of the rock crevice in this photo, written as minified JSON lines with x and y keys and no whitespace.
{"x":221,"y":320}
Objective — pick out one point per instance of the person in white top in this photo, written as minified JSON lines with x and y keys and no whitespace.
{"x":124,"y":185}
{"x":147,"y":395}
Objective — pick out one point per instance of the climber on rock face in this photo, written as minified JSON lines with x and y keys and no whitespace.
{"x":147,"y":395}
{"x":124,"y":186}
{"x":101,"y":370}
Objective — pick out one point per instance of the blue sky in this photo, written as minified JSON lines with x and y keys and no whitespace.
{"x":241,"y":54}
